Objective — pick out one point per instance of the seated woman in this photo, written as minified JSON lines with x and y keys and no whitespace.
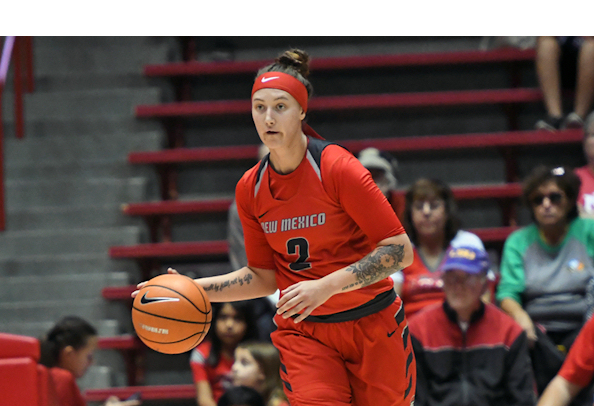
{"x":432,"y":223}
{"x":547,"y":265}
{"x":67,"y":350}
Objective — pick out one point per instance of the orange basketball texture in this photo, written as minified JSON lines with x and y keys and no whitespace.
{"x":171,"y":314}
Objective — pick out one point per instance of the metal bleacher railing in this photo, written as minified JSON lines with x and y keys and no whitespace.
{"x":21,"y":48}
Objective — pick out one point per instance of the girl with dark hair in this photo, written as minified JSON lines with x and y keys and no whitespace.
{"x":67,"y":351}
{"x":318,"y":228}
{"x":432,"y":223}
{"x":241,"y":396}
{"x":212,"y":360}
{"x":547,"y":265}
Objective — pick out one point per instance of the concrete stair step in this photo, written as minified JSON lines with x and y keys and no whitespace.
{"x":25,"y":194}
{"x":47,"y":242}
{"x":63,"y":264}
{"x":63,"y":287}
{"x":68,"y":217}
{"x":65,"y":149}
{"x":86,"y":103}
{"x":105,"y":328}
{"x":47,"y":171}
{"x":79,"y":126}
{"x":100,"y":41}
{"x":37,"y":311}
{"x":84,"y":80}
{"x":109,"y":58}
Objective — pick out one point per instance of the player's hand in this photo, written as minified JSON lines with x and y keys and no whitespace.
{"x":524,"y":320}
{"x":141,"y":284}
{"x":302,"y":298}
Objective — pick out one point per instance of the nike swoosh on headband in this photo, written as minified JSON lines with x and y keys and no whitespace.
{"x":147,"y":300}
{"x":264,"y":80}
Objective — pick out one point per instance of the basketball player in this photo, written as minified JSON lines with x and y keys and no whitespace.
{"x":317,"y":227}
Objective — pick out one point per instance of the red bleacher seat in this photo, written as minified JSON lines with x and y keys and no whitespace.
{"x":350,"y":102}
{"x":24,"y":382}
{"x":171,"y":207}
{"x":192,"y":249}
{"x":195,"y":68}
{"x":396,"y":144}
{"x":221,"y":205}
{"x":123,"y":342}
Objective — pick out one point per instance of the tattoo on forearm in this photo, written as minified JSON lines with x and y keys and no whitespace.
{"x":217,"y":287}
{"x":377,"y":265}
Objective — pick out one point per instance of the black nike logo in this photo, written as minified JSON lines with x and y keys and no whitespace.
{"x":147,"y":300}
{"x":391,"y":334}
{"x":263,"y":214}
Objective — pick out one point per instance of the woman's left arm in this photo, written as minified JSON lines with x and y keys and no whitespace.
{"x":391,"y":255}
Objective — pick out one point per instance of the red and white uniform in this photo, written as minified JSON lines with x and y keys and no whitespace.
{"x":322,"y":217}
{"x":66,"y":388}
{"x":586,"y":193}
{"x":218,"y":376}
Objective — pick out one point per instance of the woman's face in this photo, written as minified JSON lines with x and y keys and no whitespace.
{"x":78,"y":361}
{"x":429,"y":216}
{"x":550,"y":205}
{"x":246,"y":370}
{"x":463,"y":291}
{"x":277,"y":117}
{"x":230,"y":326}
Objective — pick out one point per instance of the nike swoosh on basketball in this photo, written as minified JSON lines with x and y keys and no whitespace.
{"x":264,"y":80}
{"x":147,"y":300}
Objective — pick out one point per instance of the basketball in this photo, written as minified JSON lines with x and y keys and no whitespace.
{"x":171,"y":314}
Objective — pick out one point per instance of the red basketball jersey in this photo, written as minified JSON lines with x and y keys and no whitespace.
{"x":324,"y":216}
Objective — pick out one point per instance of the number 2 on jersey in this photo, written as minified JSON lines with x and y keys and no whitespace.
{"x":302,"y":245}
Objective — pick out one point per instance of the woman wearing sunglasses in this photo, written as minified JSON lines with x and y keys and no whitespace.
{"x":547,"y":265}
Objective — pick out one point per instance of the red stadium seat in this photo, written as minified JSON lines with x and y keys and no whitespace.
{"x":23,"y":381}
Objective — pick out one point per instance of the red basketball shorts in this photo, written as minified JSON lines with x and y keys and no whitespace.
{"x":364,"y":362}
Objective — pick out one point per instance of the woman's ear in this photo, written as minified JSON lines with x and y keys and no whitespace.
{"x":302,"y":114}
{"x":65,"y":354}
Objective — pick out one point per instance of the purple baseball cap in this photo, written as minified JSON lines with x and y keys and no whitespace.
{"x":468,"y":259}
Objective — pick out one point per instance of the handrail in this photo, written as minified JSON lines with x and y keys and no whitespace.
{"x":23,"y":49}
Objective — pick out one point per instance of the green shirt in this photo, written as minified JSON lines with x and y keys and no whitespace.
{"x":549,"y":281}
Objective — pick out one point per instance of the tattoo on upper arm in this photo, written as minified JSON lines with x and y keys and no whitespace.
{"x":217,"y":287}
{"x":377,"y":265}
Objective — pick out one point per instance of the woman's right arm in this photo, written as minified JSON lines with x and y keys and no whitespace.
{"x":559,"y":392}
{"x":245,"y":283}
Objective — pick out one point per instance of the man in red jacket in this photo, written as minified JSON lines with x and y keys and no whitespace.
{"x":469,"y":352}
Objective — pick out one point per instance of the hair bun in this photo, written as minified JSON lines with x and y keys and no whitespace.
{"x":296,"y":59}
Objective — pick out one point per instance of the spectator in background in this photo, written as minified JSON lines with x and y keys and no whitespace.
{"x":257,"y":365}
{"x":575,"y":374}
{"x":469,"y":352}
{"x":547,"y":265}
{"x":565,"y":63}
{"x":384,"y":171}
{"x":211,"y":361}
{"x":432,"y":223}
{"x":586,"y":173}
{"x":67,"y":351}
{"x":241,"y":396}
